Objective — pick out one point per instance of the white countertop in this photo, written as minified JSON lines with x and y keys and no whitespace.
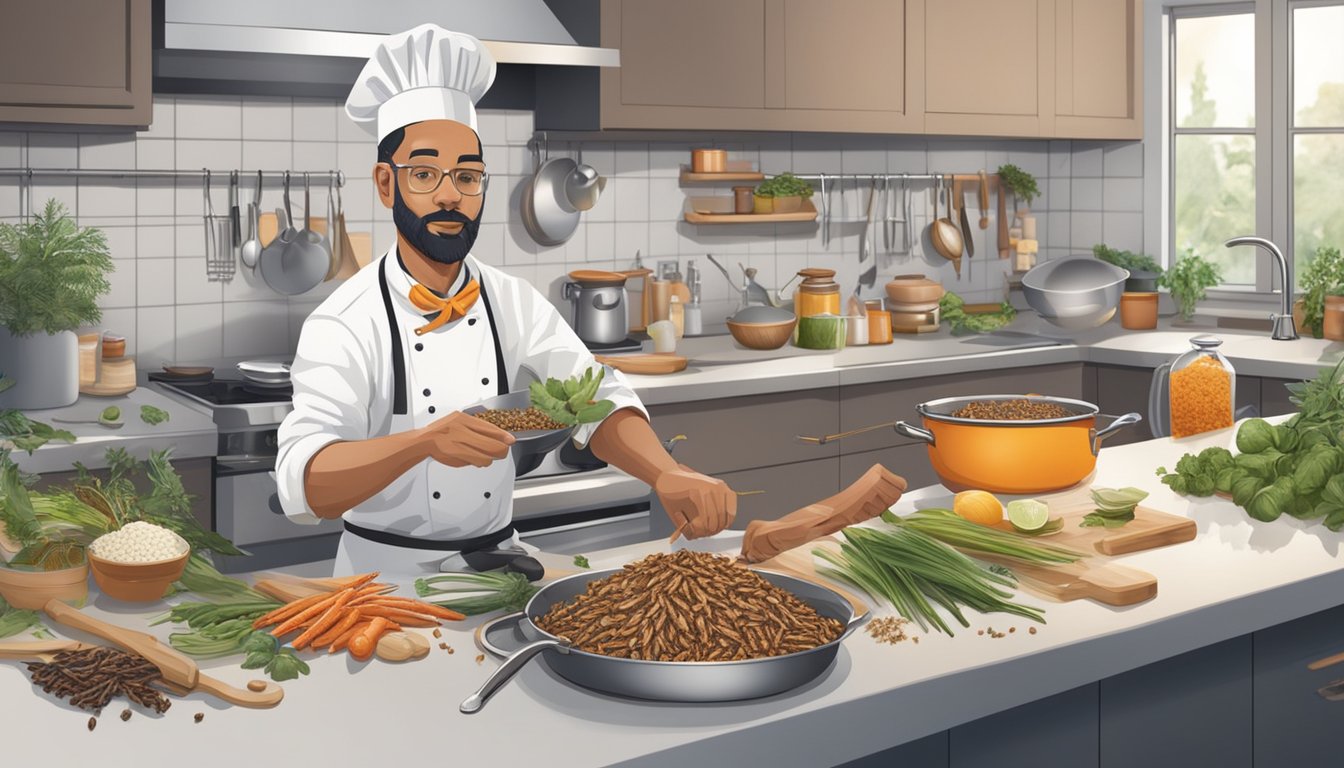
{"x":1236,"y":577}
{"x":189,"y":432}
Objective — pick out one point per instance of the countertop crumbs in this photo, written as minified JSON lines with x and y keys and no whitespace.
{"x":437,"y":633}
{"x":125,"y":715}
{"x":480,"y":658}
{"x":450,"y":649}
{"x":889,"y":630}
{"x":93,"y":723}
{"x":980,"y":632}
{"x":443,"y":646}
{"x":199,"y":717}
{"x":1011,"y":630}
{"x":1032,"y":630}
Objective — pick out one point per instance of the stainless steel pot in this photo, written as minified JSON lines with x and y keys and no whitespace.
{"x":599,"y":311}
{"x":685,"y":681}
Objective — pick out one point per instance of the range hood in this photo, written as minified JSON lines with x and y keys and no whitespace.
{"x":318,"y":46}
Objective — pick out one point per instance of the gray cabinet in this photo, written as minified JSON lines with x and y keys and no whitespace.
{"x":909,"y":461}
{"x":1122,"y":389}
{"x":1274,"y":397}
{"x":1294,"y":726}
{"x":1056,"y":732}
{"x":84,"y":62}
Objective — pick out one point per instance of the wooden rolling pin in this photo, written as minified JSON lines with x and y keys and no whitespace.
{"x":175,"y":668}
{"x":867,"y":498}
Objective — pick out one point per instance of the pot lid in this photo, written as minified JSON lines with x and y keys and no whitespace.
{"x":597,"y":277}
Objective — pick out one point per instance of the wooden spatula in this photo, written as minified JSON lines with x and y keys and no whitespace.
{"x":40,"y":650}
{"x":175,"y":668}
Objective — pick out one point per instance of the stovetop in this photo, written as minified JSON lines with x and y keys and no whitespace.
{"x":224,"y":391}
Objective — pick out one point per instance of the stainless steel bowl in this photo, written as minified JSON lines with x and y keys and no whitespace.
{"x":1076,"y":292}
{"x":530,"y":446}
{"x":695,"y":681}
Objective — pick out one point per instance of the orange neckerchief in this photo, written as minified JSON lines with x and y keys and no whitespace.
{"x":449,"y":309}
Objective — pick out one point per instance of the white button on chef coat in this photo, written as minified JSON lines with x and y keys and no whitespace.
{"x":344,"y":376}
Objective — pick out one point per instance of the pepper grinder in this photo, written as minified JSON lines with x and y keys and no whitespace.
{"x":693,"y":322}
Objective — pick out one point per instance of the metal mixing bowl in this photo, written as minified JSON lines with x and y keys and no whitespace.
{"x":530,"y":446}
{"x":1075,"y":292}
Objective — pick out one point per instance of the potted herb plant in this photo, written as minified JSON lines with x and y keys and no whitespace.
{"x":1189,"y":280}
{"x":781,"y":194}
{"x":51,"y":275}
{"x":1323,"y":278}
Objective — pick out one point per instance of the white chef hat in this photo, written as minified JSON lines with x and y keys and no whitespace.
{"x":426,"y":73}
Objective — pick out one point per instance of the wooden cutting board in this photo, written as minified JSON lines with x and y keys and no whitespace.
{"x":650,"y":364}
{"x":1150,"y":528}
{"x":1091,"y":578}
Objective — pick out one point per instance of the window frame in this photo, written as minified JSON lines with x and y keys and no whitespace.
{"x":1290,"y":130}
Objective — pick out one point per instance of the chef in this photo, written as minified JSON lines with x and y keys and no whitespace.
{"x":385,"y":364}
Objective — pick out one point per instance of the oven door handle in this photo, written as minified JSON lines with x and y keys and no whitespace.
{"x":230,"y":467}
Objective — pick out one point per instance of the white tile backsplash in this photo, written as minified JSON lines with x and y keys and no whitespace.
{"x":1122,"y":195}
{"x":155,"y":282}
{"x":212,"y":117}
{"x":156,"y":338}
{"x":1124,"y":159}
{"x":106,"y":151}
{"x":268,"y":118}
{"x":200,"y":331}
{"x":106,"y":197}
{"x":121,"y":295}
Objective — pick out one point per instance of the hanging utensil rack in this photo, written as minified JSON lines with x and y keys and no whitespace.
{"x":144,"y":173}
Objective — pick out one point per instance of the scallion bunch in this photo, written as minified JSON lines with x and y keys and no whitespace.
{"x":955,"y":530}
{"x":491,"y":591}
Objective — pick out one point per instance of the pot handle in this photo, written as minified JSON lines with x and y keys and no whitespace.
{"x":1159,"y":406}
{"x":913,"y":432}
{"x":473,"y":703}
{"x":1097,"y":435}
{"x":599,"y":304}
{"x":569,"y":290}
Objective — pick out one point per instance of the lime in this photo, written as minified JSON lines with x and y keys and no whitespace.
{"x":1028,"y":514}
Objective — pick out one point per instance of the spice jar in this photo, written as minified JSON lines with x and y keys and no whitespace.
{"x":1138,"y":311}
{"x":1202,"y":389}
{"x":742,"y":200}
{"x":879,"y":322}
{"x":818,"y":294}
{"x":1332,"y":319}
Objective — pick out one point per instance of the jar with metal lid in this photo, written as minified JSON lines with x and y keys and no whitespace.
{"x":1201,"y":388}
{"x":818,"y":294}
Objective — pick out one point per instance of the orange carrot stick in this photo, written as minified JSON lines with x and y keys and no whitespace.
{"x":343,"y":640}
{"x":363,"y":644}
{"x":286,"y":611}
{"x":415,"y":606}
{"x":328,"y":620}
{"x":397,"y":614}
{"x":350,"y":619}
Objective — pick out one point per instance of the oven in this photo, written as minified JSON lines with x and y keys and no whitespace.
{"x":571,"y":504}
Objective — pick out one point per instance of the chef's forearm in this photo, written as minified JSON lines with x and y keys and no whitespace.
{"x":626,"y":441}
{"x":345,"y":474}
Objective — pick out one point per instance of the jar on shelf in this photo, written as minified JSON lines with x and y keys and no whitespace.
{"x":1200,"y":388}
{"x":818,"y":294}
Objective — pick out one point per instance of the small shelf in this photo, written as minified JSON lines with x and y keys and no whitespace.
{"x":738,"y":170}
{"x":719,"y":210}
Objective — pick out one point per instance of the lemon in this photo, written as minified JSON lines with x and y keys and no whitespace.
{"x":1028,"y":514}
{"x":978,"y":507}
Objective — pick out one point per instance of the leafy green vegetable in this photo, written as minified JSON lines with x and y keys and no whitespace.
{"x":1115,"y":507}
{"x":784,"y":185}
{"x":26,"y":434}
{"x":110,"y":413}
{"x":1188,"y":280}
{"x":1021,"y":183}
{"x":490,"y":591}
{"x":15,"y":620}
{"x":952,"y":312}
{"x":284,"y":665}
{"x":581,"y":561}
{"x":1129,"y":260}
{"x":571,"y":401}
{"x":1323,"y":276}
{"x":152,"y":416}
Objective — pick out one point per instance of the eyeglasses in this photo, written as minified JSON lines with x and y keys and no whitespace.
{"x":423,"y":179}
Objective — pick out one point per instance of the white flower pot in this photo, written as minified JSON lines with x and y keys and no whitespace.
{"x":44,"y":367}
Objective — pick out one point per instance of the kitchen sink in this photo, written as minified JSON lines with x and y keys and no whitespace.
{"x":1010,"y":340}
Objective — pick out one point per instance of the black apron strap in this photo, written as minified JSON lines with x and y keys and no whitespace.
{"x":501,"y":375}
{"x":398,"y":358}
{"x":486,"y":541}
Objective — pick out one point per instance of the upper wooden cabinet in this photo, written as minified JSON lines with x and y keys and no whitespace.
{"x":84,"y":62}
{"x":1044,"y":68}
{"x":763,"y":65}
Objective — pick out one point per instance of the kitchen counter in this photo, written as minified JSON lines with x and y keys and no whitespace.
{"x":874,"y":697}
{"x":189,"y":432}
{"x":718,"y":367}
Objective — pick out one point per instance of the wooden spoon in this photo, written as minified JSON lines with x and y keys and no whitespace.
{"x":40,"y":650}
{"x":947,"y":239}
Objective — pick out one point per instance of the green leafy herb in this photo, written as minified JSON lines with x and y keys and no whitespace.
{"x":284,"y":665}
{"x":1114,"y":507}
{"x":51,"y":273}
{"x":6,"y":382}
{"x":784,"y":185}
{"x":15,"y":620}
{"x":952,"y":312}
{"x":1129,"y":260}
{"x":152,"y":416}
{"x":1324,"y":276}
{"x":489,"y":591}
{"x":581,"y":561}
{"x":1188,"y":280}
{"x":26,"y":434}
{"x":1021,"y":183}
{"x":571,"y":401}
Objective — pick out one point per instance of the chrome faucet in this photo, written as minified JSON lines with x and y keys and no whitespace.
{"x":751,"y":291}
{"x":1284,"y":328}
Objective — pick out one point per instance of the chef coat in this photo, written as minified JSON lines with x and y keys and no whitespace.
{"x":361,"y":372}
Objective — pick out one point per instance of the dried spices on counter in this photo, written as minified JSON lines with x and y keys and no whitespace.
{"x":688,"y":606}
{"x":90,"y":678}
{"x":889,"y":630}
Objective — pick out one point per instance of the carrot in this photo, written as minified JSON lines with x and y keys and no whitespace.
{"x":286,"y":611}
{"x":414,"y":606}
{"x":311,"y":612}
{"x":350,"y":619}
{"x":328,"y":620}
{"x":410,"y":618}
{"x":363,"y":644}
{"x":343,"y":640}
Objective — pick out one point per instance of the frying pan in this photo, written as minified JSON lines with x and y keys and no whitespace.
{"x":681,"y":681}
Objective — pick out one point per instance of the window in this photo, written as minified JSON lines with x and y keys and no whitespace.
{"x":1230,"y":109}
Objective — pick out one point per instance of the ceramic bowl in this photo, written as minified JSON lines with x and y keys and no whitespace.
{"x":767,"y":335}
{"x":30,"y":590}
{"x":136,"y":582}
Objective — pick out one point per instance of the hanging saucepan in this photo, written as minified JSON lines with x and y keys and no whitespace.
{"x":548,"y":215}
{"x":1008,"y":455}
{"x":665,"y":680}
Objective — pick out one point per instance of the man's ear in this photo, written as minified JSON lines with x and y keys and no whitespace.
{"x":384,"y":180}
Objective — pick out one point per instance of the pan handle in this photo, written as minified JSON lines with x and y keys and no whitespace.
{"x":913,"y":432}
{"x":1097,"y":435}
{"x":473,"y":703}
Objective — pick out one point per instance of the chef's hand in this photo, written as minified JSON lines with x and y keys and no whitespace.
{"x":704,"y":505}
{"x":459,"y":440}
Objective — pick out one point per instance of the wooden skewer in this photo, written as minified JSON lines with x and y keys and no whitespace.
{"x":1328,"y":661}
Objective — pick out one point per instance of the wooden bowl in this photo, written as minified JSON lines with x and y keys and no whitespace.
{"x":31,"y":590}
{"x":914,"y":289}
{"x":136,"y":582}
{"x":763,"y":335}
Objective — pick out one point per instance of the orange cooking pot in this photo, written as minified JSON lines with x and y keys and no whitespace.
{"x":1012,"y":456}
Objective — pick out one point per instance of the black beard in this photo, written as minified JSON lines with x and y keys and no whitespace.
{"x":444,"y":248}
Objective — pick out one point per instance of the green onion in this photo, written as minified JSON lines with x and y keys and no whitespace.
{"x":955,"y":530}
{"x":493,"y":591}
{"x":916,"y":573}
